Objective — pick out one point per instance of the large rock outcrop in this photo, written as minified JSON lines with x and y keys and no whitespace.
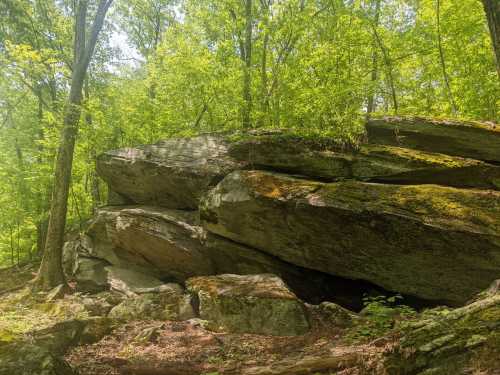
{"x":414,"y":210}
{"x":170,"y":245}
{"x":434,"y":242}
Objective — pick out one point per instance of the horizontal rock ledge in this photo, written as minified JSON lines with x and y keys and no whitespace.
{"x":176,"y":173}
{"x":460,"y":138}
{"x":283,"y":152}
{"x":433,"y":242}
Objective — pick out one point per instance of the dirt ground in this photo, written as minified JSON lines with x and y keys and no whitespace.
{"x":186,"y":348}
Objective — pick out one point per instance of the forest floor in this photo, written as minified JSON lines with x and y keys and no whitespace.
{"x":152,"y":347}
{"x":186,"y":348}
{"x":173,"y":347}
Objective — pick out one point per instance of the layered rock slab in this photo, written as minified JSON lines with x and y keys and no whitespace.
{"x":133,"y":248}
{"x":467,"y":139}
{"x":176,"y":173}
{"x":433,"y":242}
{"x":164,"y":243}
{"x":173,"y":173}
{"x":260,"y":304}
{"x":328,"y":161}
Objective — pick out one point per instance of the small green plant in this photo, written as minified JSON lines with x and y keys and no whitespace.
{"x":380,"y":315}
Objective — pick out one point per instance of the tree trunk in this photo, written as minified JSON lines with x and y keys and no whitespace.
{"x":388,"y":66}
{"x":92,"y":156}
{"x":264,"y":100}
{"x":247,"y":78}
{"x":42,"y":195}
{"x":492,"y":9}
{"x":442,"y":59}
{"x":374,"y":76}
{"x":51,"y":272}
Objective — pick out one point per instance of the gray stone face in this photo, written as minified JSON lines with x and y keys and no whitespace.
{"x":172,"y":173}
{"x":91,"y":274}
{"x":434,"y":242}
{"x":260,"y":304}
{"x":160,"y":242}
{"x":131,"y":282}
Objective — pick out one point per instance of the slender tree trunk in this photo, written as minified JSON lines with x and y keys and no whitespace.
{"x":389,"y":69}
{"x":41,"y":195}
{"x":247,"y":77}
{"x":11,"y":245}
{"x":18,"y":224}
{"x":442,"y":59}
{"x":92,"y":155}
{"x":199,"y":118}
{"x":264,"y":82}
{"x":264,"y":100}
{"x":51,"y":272}
{"x":492,"y":9}
{"x":374,"y":76}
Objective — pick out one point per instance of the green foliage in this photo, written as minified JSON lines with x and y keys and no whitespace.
{"x":312,"y":71}
{"x":380,"y":315}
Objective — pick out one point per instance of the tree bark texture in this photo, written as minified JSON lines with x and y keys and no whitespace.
{"x":51,"y":272}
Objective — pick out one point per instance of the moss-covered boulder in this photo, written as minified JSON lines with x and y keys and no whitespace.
{"x":260,"y":304}
{"x":31,"y":359}
{"x":449,"y":342}
{"x":335,"y":315}
{"x":434,"y":242}
{"x":39,"y":352}
{"x":460,"y":138}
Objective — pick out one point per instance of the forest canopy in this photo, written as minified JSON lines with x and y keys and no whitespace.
{"x":164,"y":68}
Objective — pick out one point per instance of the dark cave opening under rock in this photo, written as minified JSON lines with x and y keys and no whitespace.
{"x":317,"y":287}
